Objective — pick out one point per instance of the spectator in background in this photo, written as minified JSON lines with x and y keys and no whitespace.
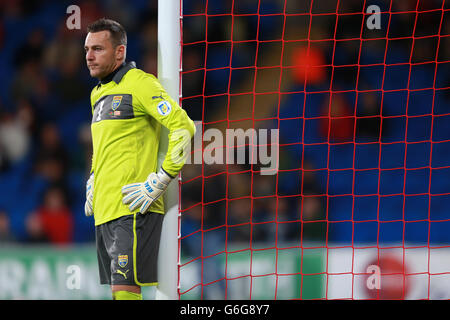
{"x":150,"y":63}
{"x":312,"y":206}
{"x":69,"y":73}
{"x":2,"y":34}
{"x":53,"y":221}
{"x":368,"y":123}
{"x":339,"y":127}
{"x":29,"y":81}
{"x":31,"y":50}
{"x":4,"y":163}
{"x":14,"y":133}
{"x":4,"y":159}
{"x":281,"y":212}
{"x":33,"y":227}
{"x":59,"y":49}
{"x":51,"y":159}
{"x":313,"y":217}
{"x":6,"y":235}
{"x":444,"y":54}
{"x":79,"y":159}
{"x":309,"y":180}
{"x":239,"y":219}
{"x":26,"y":116}
{"x":52,"y":169}
{"x":149,"y":43}
{"x":309,"y":66}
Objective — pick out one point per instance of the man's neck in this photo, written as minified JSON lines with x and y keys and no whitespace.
{"x":110,"y":76}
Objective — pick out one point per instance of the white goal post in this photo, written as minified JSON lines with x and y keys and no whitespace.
{"x":169,"y":64}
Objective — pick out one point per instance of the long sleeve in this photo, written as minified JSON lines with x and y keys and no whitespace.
{"x":166,"y":111}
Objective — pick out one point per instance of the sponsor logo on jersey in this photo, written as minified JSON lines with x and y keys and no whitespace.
{"x":158,"y":97}
{"x":164,"y":108}
{"x":122,"y":260}
{"x":116,"y":102}
{"x":114,"y":113}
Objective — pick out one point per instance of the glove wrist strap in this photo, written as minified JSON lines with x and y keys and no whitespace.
{"x":164,"y":176}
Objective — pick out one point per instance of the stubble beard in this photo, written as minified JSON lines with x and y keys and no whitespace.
{"x":99,"y":72}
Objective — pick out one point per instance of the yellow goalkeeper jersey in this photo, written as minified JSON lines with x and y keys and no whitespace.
{"x":128,"y":112}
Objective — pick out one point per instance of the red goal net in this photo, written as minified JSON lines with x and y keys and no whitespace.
{"x":321,"y":164}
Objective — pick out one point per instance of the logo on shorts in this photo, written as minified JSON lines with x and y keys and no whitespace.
{"x":122,"y":260}
{"x":164,"y":108}
{"x":116,"y":102}
{"x":122,"y":273}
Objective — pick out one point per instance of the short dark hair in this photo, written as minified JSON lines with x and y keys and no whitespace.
{"x":117,"y":32}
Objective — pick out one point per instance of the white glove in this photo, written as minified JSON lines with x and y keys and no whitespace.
{"x":89,"y":196}
{"x":143,"y":194}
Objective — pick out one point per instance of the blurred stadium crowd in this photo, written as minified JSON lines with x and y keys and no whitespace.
{"x":45,"y":143}
{"x":329,"y":169}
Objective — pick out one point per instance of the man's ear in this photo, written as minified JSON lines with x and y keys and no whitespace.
{"x":121,"y":51}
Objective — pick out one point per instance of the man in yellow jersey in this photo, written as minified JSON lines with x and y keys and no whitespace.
{"x":124,"y":190}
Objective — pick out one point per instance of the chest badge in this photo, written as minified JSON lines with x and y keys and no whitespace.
{"x":116,"y":102}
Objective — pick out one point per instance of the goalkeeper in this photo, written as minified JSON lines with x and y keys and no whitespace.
{"x":124,"y":191}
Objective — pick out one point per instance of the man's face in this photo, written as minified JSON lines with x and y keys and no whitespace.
{"x":101,"y":57}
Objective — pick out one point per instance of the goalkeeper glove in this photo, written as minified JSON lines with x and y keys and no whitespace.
{"x":89,"y":196}
{"x":143,"y":194}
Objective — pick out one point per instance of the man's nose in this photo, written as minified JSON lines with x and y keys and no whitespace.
{"x":89,"y":55}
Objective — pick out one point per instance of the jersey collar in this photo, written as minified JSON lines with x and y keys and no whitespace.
{"x":118,"y":74}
